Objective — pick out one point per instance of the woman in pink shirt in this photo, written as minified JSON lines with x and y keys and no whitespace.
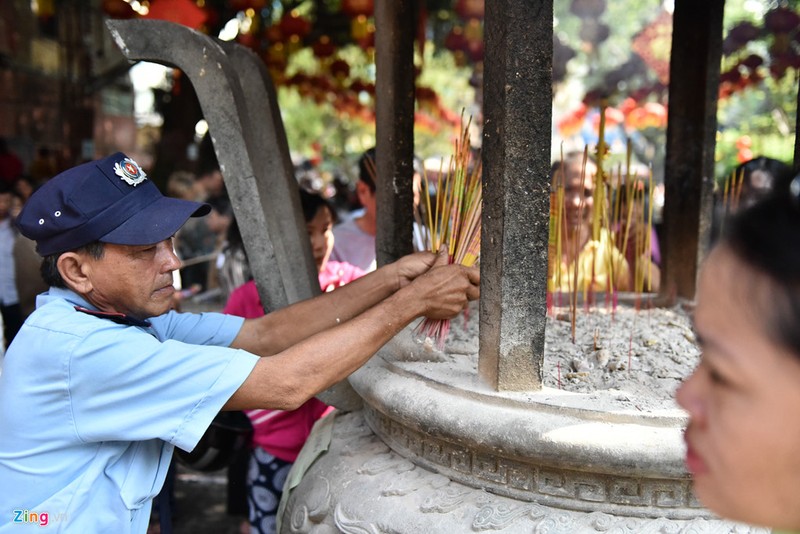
{"x":279,"y":435}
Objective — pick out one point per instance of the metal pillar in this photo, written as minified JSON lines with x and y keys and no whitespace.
{"x":395,"y":21}
{"x":516,"y":191}
{"x":691,"y":138}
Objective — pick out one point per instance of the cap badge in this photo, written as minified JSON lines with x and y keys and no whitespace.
{"x":130,"y":172}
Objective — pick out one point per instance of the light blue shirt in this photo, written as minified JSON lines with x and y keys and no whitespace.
{"x":90,"y":411}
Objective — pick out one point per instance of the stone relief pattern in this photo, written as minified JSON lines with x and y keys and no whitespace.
{"x":479,"y":509}
{"x":311,"y":512}
{"x":358,"y":437}
{"x":521,"y":480}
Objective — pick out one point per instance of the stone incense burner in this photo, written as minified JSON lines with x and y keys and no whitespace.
{"x":434,"y":449}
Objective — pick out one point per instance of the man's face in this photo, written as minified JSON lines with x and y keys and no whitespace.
{"x":134,"y":280}
{"x":578,"y":192}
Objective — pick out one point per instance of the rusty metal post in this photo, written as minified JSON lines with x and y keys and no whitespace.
{"x":395,"y":21}
{"x":691,"y":138}
{"x":516,"y":192}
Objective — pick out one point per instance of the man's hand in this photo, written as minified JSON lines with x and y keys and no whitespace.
{"x":446,"y":289}
{"x":410,"y":267}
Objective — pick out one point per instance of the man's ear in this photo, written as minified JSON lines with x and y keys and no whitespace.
{"x":74,"y":269}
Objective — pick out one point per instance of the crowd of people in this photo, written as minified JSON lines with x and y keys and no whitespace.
{"x":144,"y":377}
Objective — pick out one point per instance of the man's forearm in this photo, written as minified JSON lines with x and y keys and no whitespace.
{"x":289,"y":378}
{"x":268,"y":335}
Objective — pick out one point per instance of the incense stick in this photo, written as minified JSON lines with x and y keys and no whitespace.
{"x":456,"y":221}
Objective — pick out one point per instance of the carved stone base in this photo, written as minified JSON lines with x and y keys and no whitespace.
{"x":360,"y":486}
{"x":434,"y":449}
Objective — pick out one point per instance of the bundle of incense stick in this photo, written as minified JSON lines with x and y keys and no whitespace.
{"x":454,"y":220}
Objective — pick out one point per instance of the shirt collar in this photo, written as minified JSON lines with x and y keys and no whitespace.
{"x":82,"y":305}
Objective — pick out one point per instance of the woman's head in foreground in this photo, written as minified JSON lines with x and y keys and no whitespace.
{"x":743,"y":437}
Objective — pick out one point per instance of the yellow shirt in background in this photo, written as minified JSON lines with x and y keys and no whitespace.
{"x":599,"y":264}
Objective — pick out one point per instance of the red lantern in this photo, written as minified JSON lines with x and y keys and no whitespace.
{"x":293,"y":24}
{"x":324,"y":47}
{"x":117,"y":9}
{"x":340,"y":69}
{"x":475,"y":51}
{"x":426,"y":95}
{"x":781,"y":20}
{"x":183,"y":12}
{"x":368,"y":41}
{"x":247,"y":40}
{"x":354,"y":8}
{"x":470,"y":9}
{"x":455,"y":40}
{"x":273,"y":34}
{"x":359,"y":86}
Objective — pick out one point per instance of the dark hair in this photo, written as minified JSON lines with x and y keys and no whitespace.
{"x":311,"y":204}
{"x":49,"y":267}
{"x":765,"y":237}
{"x":367,"y":168}
{"x":771,"y":167}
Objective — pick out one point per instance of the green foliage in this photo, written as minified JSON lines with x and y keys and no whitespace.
{"x":763,"y":113}
{"x":318,"y":129}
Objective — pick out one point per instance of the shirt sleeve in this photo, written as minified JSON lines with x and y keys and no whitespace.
{"x":197,"y":328}
{"x":126,"y":385}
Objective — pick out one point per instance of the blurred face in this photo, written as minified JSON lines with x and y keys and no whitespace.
{"x":743,"y":401}
{"x":134,"y":280}
{"x":5,"y":204}
{"x":577,"y":193}
{"x":366,"y":197}
{"x":23,"y":188}
{"x":213,"y":183}
{"x":320,"y":232}
{"x":217,"y":222}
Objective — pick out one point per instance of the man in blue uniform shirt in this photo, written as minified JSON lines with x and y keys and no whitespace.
{"x":103,"y":380}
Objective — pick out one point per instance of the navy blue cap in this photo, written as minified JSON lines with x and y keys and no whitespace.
{"x":108,"y":200}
